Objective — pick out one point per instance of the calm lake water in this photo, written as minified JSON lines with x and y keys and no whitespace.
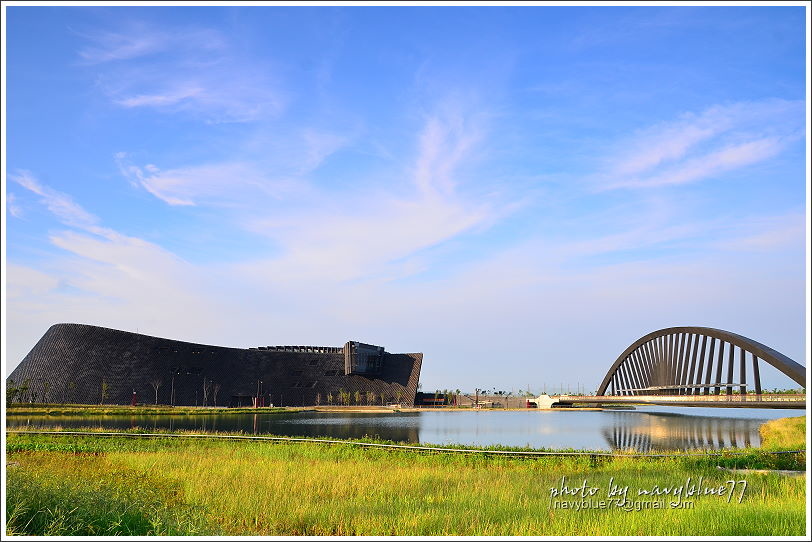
{"x":646,"y":428}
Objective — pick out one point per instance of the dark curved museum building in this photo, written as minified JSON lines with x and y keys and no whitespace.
{"x":76,"y":363}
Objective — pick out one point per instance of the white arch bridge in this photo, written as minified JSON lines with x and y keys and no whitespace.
{"x":692,"y":366}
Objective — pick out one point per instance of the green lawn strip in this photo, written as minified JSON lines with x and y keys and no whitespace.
{"x":139,"y":410}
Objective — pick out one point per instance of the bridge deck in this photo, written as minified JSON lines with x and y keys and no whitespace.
{"x":725,"y":401}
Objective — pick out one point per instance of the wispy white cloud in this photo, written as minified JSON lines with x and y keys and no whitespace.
{"x":669,"y":143}
{"x":188,"y":70}
{"x":185,"y":186}
{"x":243,"y":184}
{"x":103,"y":276}
{"x":766,"y":234}
{"x":135,"y":39}
{"x":28,"y":282}
{"x":444,"y":143}
{"x":226,"y":93}
{"x":704,"y":145}
{"x":111,"y":46}
{"x":377,"y":228}
{"x":317,"y":145}
{"x":13,"y":206}
{"x":60,"y":204}
{"x":713,"y":163}
{"x":171,"y":98}
{"x":523,"y":294}
{"x":270,"y":168}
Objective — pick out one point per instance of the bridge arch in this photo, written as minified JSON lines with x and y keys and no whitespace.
{"x":693,"y":361}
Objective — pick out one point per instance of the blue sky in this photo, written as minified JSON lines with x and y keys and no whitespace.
{"x":517,"y":192}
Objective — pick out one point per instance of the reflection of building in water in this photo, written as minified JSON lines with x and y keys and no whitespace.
{"x":648,"y":432}
{"x":405,"y":429}
{"x":353,"y":430}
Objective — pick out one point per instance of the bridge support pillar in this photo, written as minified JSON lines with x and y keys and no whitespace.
{"x":545,"y":401}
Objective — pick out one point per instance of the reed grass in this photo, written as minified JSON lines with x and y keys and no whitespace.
{"x":784,"y":433}
{"x":61,"y":485}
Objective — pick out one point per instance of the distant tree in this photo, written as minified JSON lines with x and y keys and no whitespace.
{"x":104,"y":389}
{"x":357,"y":396}
{"x":46,"y":387}
{"x":318,"y":399}
{"x":155,"y":385}
{"x":11,"y":392}
{"x":329,"y":398}
{"x":399,"y":395}
{"x":24,"y":389}
{"x":216,"y":390}
{"x":69,"y":386}
{"x":370,"y":397}
{"x":207,"y":390}
{"x":383,"y":398}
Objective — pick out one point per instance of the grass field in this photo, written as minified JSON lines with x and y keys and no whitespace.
{"x":60,"y":485}
{"x":784,"y":433}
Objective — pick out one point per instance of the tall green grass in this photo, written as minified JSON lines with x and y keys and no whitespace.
{"x":89,"y":485}
{"x":786,"y":433}
{"x":81,"y":496}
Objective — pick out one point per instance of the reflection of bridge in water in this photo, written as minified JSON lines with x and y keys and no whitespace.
{"x":645,"y":432}
{"x":692,"y":366}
